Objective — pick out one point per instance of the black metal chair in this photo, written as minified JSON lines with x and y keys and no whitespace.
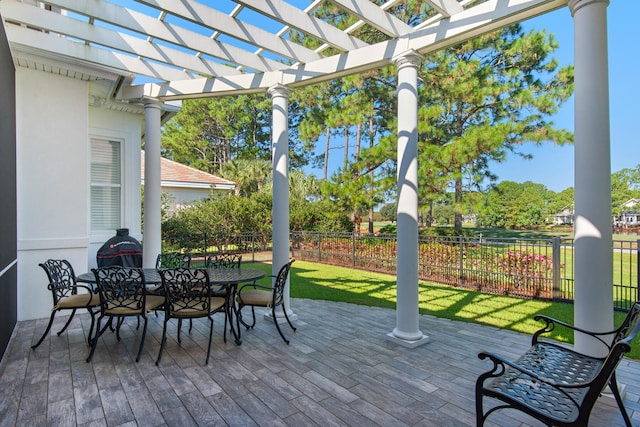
{"x":254,"y":295}
{"x":554,"y":383}
{"x":64,"y":291}
{"x":123,"y":293}
{"x":173,"y":260}
{"x":224,"y":260}
{"x":170,"y":260}
{"x":188,"y":296}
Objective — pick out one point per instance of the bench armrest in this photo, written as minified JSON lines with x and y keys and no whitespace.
{"x":550,"y":324}
{"x":89,"y":289}
{"x":500,"y":364}
{"x":255,"y":286}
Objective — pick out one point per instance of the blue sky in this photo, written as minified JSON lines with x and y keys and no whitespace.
{"x":551,"y":165}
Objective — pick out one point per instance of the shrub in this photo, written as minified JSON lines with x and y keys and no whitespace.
{"x":446,"y":231}
{"x":388,"y":229}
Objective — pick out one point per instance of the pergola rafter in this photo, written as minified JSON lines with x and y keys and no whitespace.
{"x":184,"y":49}
{"x":214,"y":20}
{"x":471,"y":22}
{"x":158,"y":29}
{"x":376,"y":17}
{"x":94,"y":35}
{"x":446,"y":7}
{"x":289,"y":15}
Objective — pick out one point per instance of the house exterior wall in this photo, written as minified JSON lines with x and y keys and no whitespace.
{"x":52,"y":189}
{"x":54,"y":126}
{"x":125,"y":127}
{"x":629,"y":219}
{"x":181,"y":197}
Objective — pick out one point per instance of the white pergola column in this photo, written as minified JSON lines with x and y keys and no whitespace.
{"x":280,"y":174}
{"x":407,"y":330}
{"x":152,"y":233}
{"x":593,"y":257}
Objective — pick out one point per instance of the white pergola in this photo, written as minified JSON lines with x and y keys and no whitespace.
{"x":144,"y":53}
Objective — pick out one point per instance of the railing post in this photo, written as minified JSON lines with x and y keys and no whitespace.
{"x":460,"y":274}
{"x":292,"y":244}
{"x":638,"y":271}
{"x":555,"y":260}
{"x":419,"y":257}
{"x":353,"y":249}
{"x":319,"y":248}
{"x":204,"y":236}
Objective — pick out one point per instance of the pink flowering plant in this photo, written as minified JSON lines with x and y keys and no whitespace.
{"x":517,"y":272}
{"x":489,"y":267}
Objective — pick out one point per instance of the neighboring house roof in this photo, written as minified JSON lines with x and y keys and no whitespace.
{"x":630,"y":203}
{"x":564,"y":213}
{"x":174,"y":174}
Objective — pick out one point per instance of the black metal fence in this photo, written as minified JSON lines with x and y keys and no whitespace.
{"x":253,"y":246}
{"x":530,"y":268}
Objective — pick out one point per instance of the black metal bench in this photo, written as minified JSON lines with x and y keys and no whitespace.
{"x":554,"y":383}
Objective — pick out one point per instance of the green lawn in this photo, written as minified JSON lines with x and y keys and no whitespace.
{"x":540,"y":234}
{"x":331,"y":283}
{"x":544,"y":233}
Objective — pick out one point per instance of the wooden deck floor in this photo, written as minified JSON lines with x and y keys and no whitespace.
{"x":338,"y":370}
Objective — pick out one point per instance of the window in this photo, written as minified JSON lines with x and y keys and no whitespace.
{"x":106,"y":188}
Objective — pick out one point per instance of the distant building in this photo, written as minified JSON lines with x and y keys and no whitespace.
{"x":565,"y":217}
{"x":628,"y":217}
{"x":469,"y":218}
{"x":185,"y":184}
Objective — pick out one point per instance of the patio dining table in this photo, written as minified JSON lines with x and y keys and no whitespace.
{"x":228,"y":277}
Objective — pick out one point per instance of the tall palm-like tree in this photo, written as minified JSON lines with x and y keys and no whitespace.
{"x":303,"y":186}
{"x":249,"y":175}
{"x":236,"y":172}
{"x":259,"y":171}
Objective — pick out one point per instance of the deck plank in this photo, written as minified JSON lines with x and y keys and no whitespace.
{"x":338,"y":370}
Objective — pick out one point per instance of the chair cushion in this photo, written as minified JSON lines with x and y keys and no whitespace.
{"x":123,"y":310}
{"x":184,"y":310}
{"x":152,"y":302}
{"x":78,"y":301}
{"x":256,"y":297}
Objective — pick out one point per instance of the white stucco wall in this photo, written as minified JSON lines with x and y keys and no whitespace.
{"x":185,"y":196}
{"x":54,"y":126}
{"x":127,"y":128}
{"x":52,"y":190}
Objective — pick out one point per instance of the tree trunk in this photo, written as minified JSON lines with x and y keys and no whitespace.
{"x":326,"y":153}
{"x":457,"y":223}
{"x":346,"y":147}
{"x":356,"y":156}
{"x":358,"y":138}
{"x":371,"y":188}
